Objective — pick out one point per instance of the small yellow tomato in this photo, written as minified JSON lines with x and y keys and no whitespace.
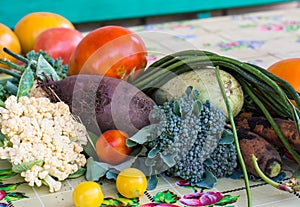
{"x":131,"y":183}
{"x":87,"y":194}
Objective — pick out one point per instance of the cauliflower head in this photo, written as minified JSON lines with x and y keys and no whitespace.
{"x":40,"y":130}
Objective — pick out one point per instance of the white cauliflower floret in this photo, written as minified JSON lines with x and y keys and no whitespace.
{"x":3,"y":153}
{"x":32,"y":176}
{"x":40,"y":130}
{"x":53,"y":184}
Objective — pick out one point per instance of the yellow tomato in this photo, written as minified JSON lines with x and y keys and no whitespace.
{"x":9,"y":40}
{"x":131,"y":183}
{"x":87,"y":194}
{"x":31,"y":25}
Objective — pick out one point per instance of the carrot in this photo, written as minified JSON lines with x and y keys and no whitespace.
{"x":268,"y":158}
{"x":262,"y":127}
{"x":247,"y":114}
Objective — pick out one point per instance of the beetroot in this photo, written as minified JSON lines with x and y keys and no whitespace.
{"x":101,"y":102}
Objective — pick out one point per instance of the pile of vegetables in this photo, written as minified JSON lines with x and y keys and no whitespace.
{"x":264,"y":93}
{"x":185,"y":115}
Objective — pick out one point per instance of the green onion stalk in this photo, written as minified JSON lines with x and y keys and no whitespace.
{"x":239,"y":153}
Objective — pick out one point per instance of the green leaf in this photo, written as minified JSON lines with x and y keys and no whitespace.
{"x":95,"y":170}
{"x":197,"y":107}
{"x":196,"y":94}
{"x":117,"y":202}
{"x":6,"y":173}
{"x":143,"y":165}
{"x":153,"y":152}
{"x":123,"y":165}
{"x":227,"y":199}
{"x":25,"y":166}
{"x":112,"y":202}
{"x":227,"y":137}
{"x":26,"y":83}
{"x":189,"y":90}
{"x":209,"y":180}
{"x":141,"y":136}
{"x":130,"y":143}
{"x":11,"y":88}
{"x":10,"y":186}
{"x":81,"y":171}
{"x":15,"y":196}
{"x":168,"y":159}
{"x":111,"y":175}
{"x":44,"y":67}
{"x":177,"y":109}
{"x":89,"y":148}
{"x":128,"y":202}
{"x":208,"y":162}
{"x":152,"y":182}
{"x":166,"y":196}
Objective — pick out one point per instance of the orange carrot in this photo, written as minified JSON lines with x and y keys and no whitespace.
{"x":268,"y":158}
{"x":262,"y":127}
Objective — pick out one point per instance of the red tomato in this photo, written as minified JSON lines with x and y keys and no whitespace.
{"x":58,"y":42}
{"x":111,"y":147}
{"x":111,"y":51}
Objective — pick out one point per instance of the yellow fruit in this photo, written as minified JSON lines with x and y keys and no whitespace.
{"x":87,"y":194}
{"x":9,"y":40}
{"x":131,"y":183}
{"x":30,"y":26}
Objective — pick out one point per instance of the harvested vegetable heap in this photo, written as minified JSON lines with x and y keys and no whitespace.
{"x":264,"y":93}
{"x":183,"y":140}
{"x":42,"y":140}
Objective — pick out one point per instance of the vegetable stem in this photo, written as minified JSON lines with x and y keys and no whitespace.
{"x":10,"y":72}
{"x":11,"y":65}
{"x":239,"y":153}
{"x":18,"y":57}
{"x":268,"y":180}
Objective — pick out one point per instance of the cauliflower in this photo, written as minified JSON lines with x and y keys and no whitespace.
{"x":37,"y":129}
